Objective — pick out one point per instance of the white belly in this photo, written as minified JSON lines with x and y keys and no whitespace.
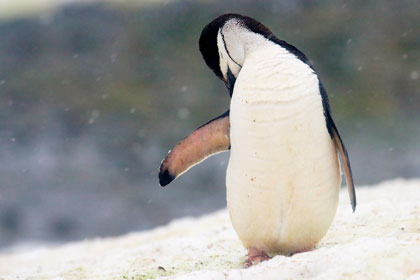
{"x":283,"y":176}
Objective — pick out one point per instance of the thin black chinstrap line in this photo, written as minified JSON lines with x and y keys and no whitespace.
{"x":224,"y":43}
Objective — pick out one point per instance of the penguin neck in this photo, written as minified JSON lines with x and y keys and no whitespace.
{"x":272,"y":55}
{"x":272,"y":69}
{"x":253,"y":42}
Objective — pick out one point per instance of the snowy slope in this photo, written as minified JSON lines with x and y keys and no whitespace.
{"x":381,"y":240}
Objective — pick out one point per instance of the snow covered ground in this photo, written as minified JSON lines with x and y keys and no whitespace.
{"x":381,"y":240}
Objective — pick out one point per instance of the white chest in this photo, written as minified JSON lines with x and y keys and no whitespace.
{"x":283,"y":176}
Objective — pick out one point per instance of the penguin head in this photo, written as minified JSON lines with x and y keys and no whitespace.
{"x":225,"y":42}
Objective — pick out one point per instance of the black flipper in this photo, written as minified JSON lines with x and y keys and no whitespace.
{"x":345,"y":161}
{"x":211,"y":138}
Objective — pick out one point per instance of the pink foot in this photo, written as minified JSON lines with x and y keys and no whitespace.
{"x":255,"y":256}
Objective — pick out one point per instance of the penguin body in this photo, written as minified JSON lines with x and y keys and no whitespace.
{"x":283,"y":175}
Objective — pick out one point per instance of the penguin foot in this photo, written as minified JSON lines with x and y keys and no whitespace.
{"x":255,"y":256}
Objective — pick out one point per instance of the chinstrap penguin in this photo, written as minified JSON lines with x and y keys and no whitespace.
{"x":283,"y":176}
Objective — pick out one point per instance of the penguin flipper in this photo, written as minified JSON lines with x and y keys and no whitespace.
{"x":210,"y":138}
{"x":345,"y":162}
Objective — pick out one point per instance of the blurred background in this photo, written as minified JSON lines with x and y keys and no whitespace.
{"x":94,"y":94}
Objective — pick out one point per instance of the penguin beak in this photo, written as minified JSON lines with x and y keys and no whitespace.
{"x":230,"y":81}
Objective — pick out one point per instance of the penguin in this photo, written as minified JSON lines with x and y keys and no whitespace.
{"x":284,"y":173}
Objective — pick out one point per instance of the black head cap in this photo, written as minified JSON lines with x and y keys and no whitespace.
{"x":208,"y":38}
{"x":208,"y":43}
